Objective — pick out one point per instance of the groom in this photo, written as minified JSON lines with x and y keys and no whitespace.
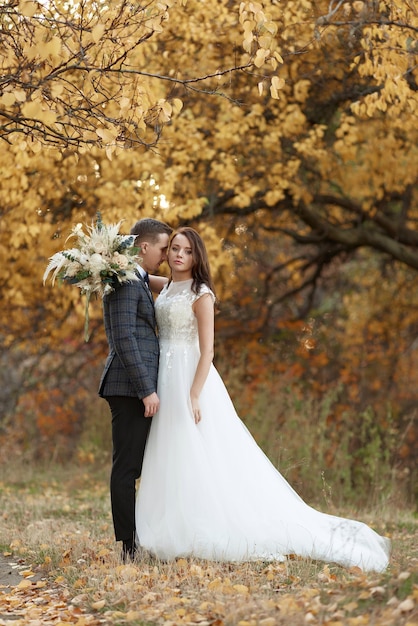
{"x":129,"y":379}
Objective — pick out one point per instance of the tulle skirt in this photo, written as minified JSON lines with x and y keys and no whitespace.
{"x":209,"y":491}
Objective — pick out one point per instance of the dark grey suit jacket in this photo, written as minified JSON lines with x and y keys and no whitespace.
{"x":131,"y":368}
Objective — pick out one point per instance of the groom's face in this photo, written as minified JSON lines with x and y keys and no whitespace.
{"x":154,"y":253}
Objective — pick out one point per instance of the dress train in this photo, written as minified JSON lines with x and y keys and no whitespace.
{"x":208,"y":490}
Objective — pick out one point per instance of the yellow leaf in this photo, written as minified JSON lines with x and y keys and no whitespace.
{"x":109,"y":151}
{"x":260,"y":57}
{"x":24,"y":584}
{"x":406,"y":605}
{"x":52,"y":48}
{"x":27,"y":8}
{"x":108,"y":136}
{"x":265,"y":42}
{"x":48,"y":117}
{"x":165,"y":111}
{"x":271,"y":27}
{"x":277,"y":82}
{"x":125,"y":104}
{"x":246,"y":44}
{"x":20,"y":95}
{"x":177,"y":105}
{"x":133,"y":616}
{"x":56,"y":90}
{"x":27,"y":573}
{"x":31,"y":109}
{"x":98,"y":605}
{"x":241,"y":588}
{"x":89,"y":135}
{"x":97,"y":32}
{"x":8,"y":99}
{"x":80,"y":599}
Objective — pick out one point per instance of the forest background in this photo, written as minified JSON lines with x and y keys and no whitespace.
{"x":286,"y":133}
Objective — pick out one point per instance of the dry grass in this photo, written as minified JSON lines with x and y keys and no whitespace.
{"x":58,"y":522}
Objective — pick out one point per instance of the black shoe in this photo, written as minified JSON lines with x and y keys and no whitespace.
{"x":128,"y":551}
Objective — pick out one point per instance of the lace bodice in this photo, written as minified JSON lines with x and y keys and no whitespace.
{"x":175,"y":317}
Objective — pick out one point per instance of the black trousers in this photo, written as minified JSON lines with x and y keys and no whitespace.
{"x":129,"y":435}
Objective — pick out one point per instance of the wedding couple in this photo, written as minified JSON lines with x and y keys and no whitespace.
{"x":207,"y":490}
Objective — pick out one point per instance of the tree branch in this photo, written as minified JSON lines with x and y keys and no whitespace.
{"x":362,"y":236}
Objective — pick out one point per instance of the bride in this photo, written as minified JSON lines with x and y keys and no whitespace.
{"x":207,"y":490}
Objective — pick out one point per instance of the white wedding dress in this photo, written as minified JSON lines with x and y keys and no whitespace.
{"x":208,"y":490}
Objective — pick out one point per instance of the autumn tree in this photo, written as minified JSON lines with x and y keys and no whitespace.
{"x":76,"y":74}
{"x":331,"y":165}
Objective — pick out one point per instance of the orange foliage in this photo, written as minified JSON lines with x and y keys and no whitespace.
{"x":45,"y":419}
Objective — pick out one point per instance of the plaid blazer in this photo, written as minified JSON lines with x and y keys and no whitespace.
{"x":131,"y":368}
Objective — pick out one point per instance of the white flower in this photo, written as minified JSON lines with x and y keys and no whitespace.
{"x":72,"y":269}
{"x":100,"y":247}
{"x":97,"y":263}
{"x":101,"y":260}
{"x":121,"y":260}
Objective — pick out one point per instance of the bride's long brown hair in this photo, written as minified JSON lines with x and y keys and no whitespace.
{"x":201,"y":268}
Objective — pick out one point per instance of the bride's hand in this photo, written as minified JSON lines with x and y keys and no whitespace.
{"x":196,"y":410}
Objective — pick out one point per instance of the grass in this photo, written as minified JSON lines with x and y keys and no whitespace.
{"x":57,"y":522}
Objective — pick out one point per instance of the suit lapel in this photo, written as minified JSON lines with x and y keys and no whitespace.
{"x":146,"y":289}
{"x":144,"y":285}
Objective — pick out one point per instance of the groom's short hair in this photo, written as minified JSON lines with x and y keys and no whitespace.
{"x":149,"y":229}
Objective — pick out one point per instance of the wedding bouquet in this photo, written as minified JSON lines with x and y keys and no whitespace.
{"x":101,"y":260}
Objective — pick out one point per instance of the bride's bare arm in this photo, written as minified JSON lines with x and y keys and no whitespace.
{"x":204,"y":310}
{"x":156,"y":283}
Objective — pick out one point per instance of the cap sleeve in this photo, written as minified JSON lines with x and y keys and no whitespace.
{"x":203,"y":290}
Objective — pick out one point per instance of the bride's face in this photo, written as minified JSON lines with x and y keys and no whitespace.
{"x":180,"y":256}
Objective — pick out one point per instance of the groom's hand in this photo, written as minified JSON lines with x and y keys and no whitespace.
{"x":152,"y":404}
